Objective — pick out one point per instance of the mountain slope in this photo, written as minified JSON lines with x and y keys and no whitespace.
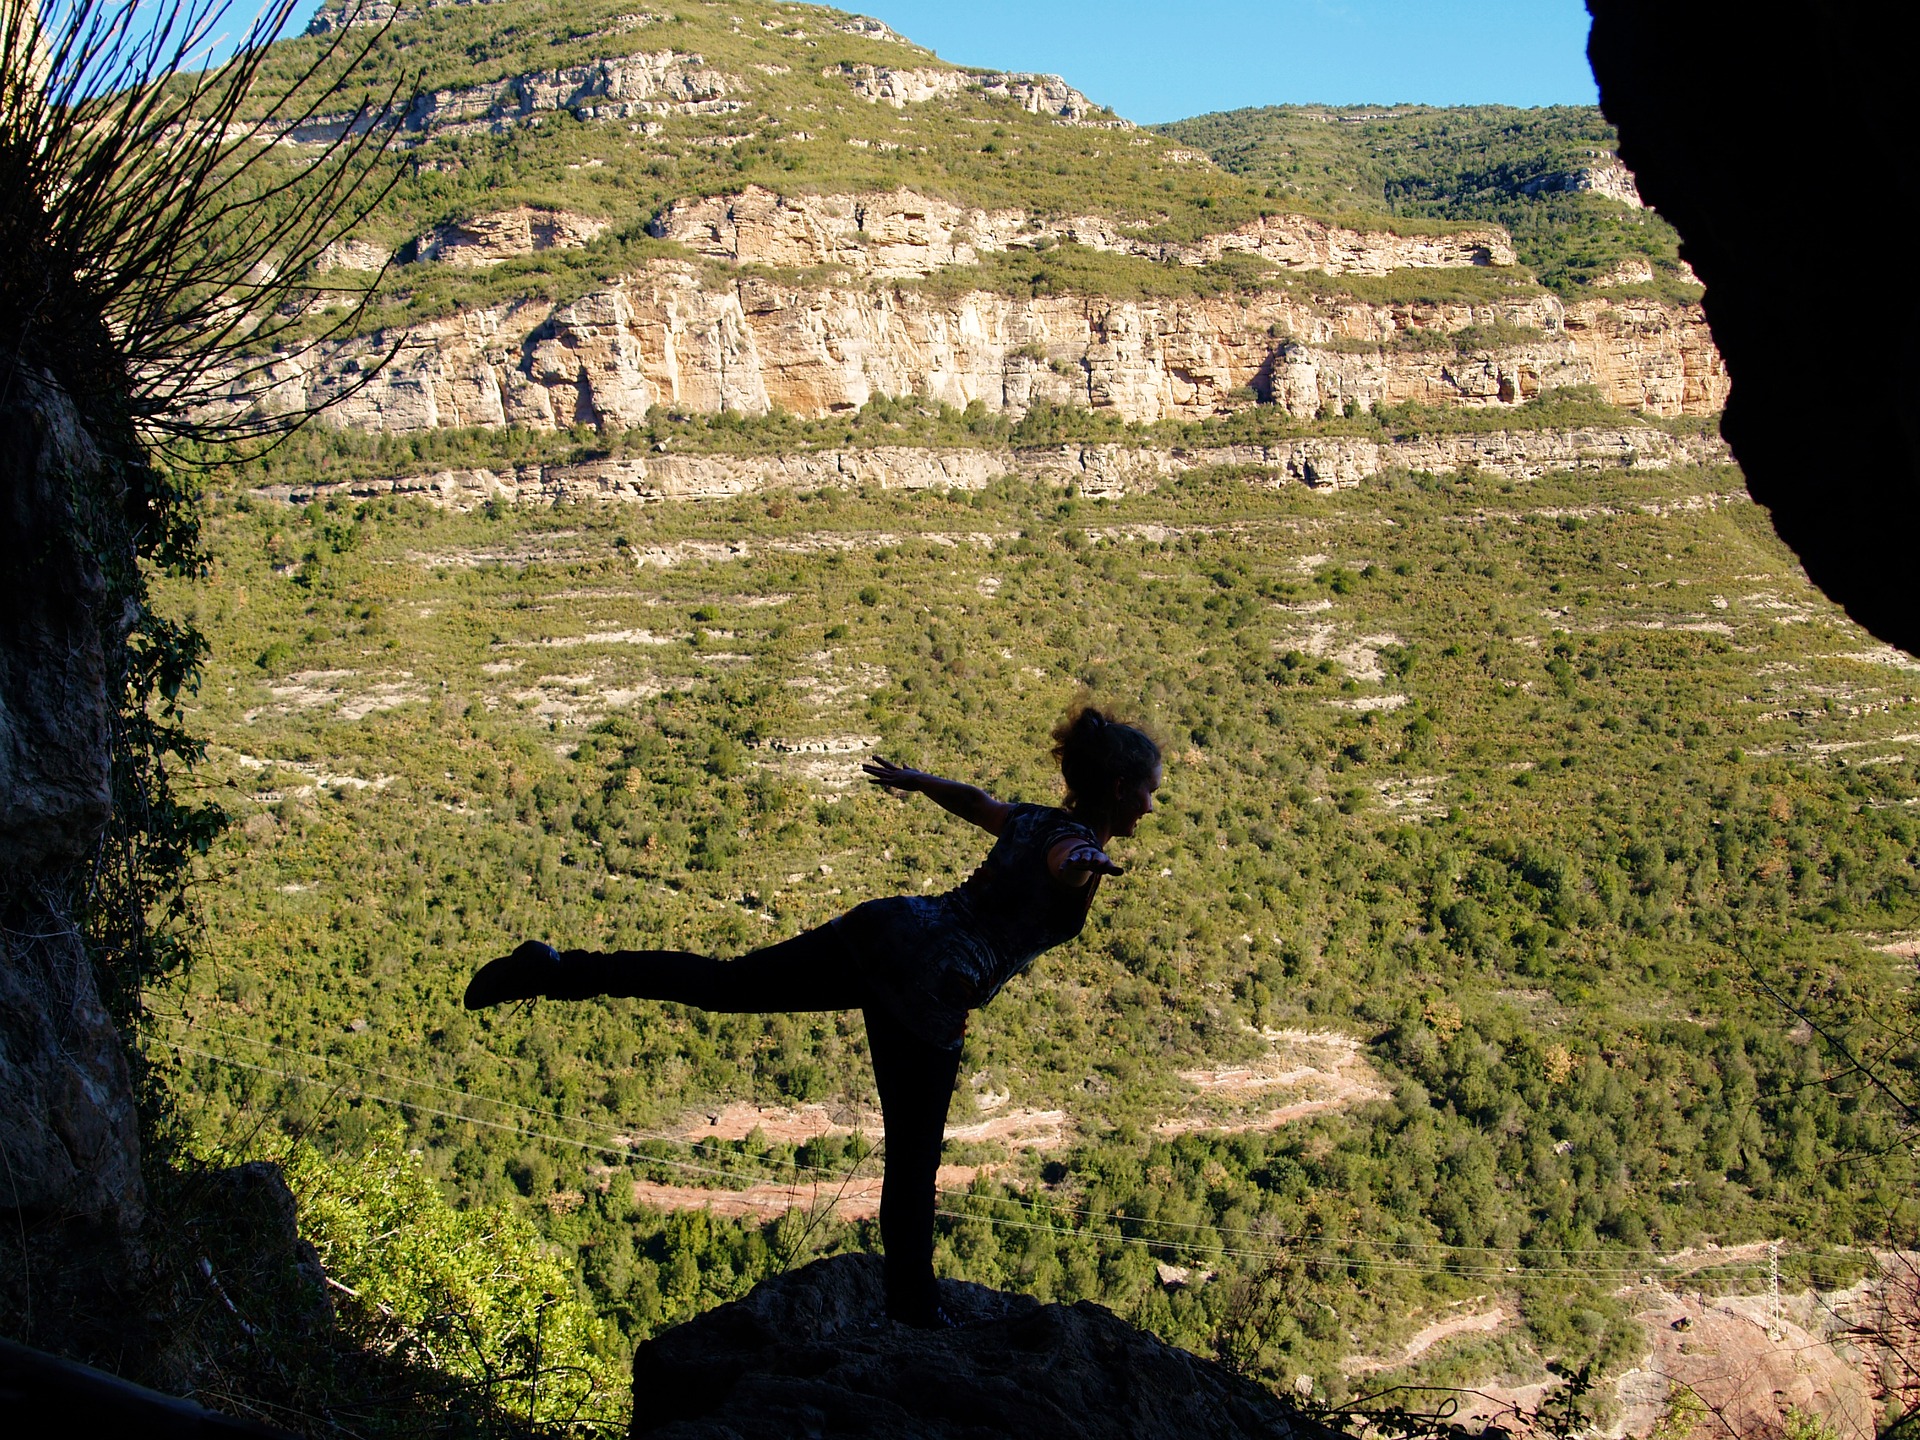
{"x":785,"y":209}
{"x":1550,"y":177}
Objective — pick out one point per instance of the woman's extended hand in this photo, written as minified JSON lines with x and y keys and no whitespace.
{"x":1077,"y":861}
{"x":890,"y":776}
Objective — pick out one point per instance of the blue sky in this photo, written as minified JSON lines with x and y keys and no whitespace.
{"x":1156,"y":60}
{"x":1171,"y":58}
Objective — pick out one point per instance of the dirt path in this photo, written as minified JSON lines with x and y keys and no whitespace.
{"x":1016,"y":1129}
{"x":1480,"y":1323}
{"x":1308,"y":1071}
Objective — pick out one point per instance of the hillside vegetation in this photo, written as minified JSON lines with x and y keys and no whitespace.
{"x":1516,"y":168}
{"x":1525,"y":789}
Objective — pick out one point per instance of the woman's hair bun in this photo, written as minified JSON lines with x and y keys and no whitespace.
{"x":1095,"y":751}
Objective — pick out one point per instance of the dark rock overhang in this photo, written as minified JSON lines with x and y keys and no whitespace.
{"x":1779,"y":144}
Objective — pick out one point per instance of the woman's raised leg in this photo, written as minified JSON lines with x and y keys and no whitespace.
{"x":811,"y":971}
{"x":915,"y":1079}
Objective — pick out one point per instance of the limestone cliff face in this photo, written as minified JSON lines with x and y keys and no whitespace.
{"x":1605,"y":177}
{"x":627,"y":87}
{"x":498,"y":235}
{"x":351,"y":254}
{"x":900,"y":233}
{"x":660,"y":336}
{"x":1323,"y":462}
{"x":893,"y":235}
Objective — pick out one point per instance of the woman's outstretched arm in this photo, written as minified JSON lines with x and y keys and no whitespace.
{"x":969,"y":802}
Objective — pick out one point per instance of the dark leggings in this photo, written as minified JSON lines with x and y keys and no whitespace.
{"x":817,"y":970}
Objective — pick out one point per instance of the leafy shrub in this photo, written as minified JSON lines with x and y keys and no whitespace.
{"x":472,"y":1292}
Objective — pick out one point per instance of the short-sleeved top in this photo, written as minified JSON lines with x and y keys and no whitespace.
{"x":931,"y":958}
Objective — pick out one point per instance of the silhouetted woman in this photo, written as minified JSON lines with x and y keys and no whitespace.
{"x":914,"y":963}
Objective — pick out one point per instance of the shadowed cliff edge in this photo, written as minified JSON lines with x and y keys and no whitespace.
{"x":1699,"y":94}
{"x":810,"y":1353}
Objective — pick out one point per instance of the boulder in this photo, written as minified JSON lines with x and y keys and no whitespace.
{"x":811,"y":1353}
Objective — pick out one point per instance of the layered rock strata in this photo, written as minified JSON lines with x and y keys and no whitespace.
{"x":663,"y":82}
{"x":502,"y":235}
{"x":1327,"y":462}
{"x":900,"y":233}
{"x":662,"y":337}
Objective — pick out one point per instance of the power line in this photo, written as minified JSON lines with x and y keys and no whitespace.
{"x":1644,"y":1259}
{"x":1459,"y":1267}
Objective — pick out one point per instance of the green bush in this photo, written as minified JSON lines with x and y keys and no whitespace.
{"x":471,"y":1292}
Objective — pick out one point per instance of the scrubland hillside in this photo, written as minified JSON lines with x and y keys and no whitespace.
{"x":1489,"y":805}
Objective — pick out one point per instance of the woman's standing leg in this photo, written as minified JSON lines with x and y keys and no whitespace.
{"x":916,"y":1080}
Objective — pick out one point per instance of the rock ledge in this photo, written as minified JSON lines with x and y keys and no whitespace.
{"x":809,"y":1353}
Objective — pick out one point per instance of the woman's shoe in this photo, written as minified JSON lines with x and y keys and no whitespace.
{"x":938,"y":1318}
{"x":922,"y":1312}
{"x":531,"y":971}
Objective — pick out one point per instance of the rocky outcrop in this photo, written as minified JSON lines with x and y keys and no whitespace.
{"x":663,"y":337}
{"x":810,"y":1352}
{"x":899,"y":234}
{"x":901,"y":86}
{"x":1322,"y":462}
{"x":867,"y":28}
{"x":351,"y":254}
{"x":1632,"y":271}
{"x":893,"y":235}
{"x":628,"y":87}
{"x":1605,"y":177}
{"x":1051,"y":95}
{"x":504,"y":234}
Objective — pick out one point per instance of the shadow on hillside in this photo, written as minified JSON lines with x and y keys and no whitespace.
{"x":230,"y":1307}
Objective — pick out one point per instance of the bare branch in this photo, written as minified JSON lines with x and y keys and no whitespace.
{"x":170,"y":229}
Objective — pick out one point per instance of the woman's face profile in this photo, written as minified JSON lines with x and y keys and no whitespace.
{"x":1133,"y":802}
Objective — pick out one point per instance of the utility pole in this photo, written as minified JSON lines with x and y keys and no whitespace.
{"x":1774,"y":1330}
